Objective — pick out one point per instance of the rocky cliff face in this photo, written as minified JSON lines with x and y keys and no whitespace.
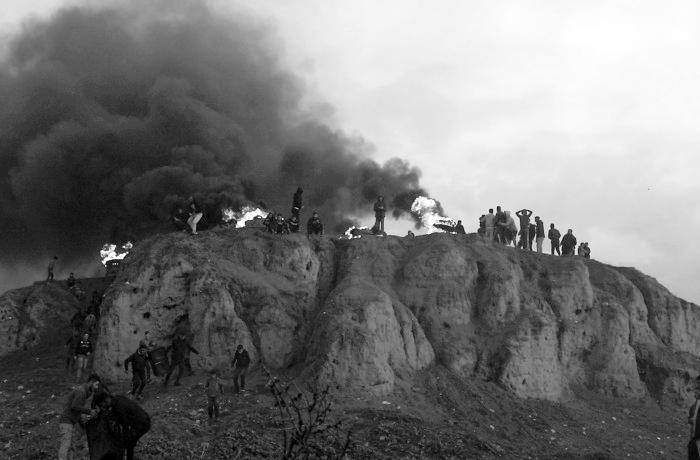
{"x":368,"y":313}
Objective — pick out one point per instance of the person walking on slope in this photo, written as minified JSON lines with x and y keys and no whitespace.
{"x":297,"y":203}
{"x":379,"y":213}
{"x":240,"y":363}
{"x":179,"y":348}
{"x":195,"y":215}
{"x":82,"y":355}
{"x":568,"y":243}
{"x":50,"y":268}
{"x":539,"y":233}
{"x":524,"y":216}
{"x":214,"y":389}
{"x":74,"y":412}
{"x":140,"y":370}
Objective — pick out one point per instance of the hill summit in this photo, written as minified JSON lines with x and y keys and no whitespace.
{"x":368,"y":314}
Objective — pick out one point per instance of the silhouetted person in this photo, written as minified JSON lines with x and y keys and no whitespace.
{"x":524,"y":216}
{"x":586,"y":251}
{"x":531,"y":235}
{"x":269,"y":222}
{"x":539,"y":233}
{"x":410,"y":234}
{"x":568,"y":243}
{"x":118,"y":427}
{"x":71,"y":280}
{"x":179,"y":219}
{"x":297,"y":203}
{"x":179,"y":349}
{"x":140,"y":371}
{"x":459,"y":228}
{"x":71,"y":346}
{"x":554,"y":236}
{"x":240,"y":363}
{"x":50,"y":268}
{"x":379,"y":213}
{"x":508,"y":229}
{"x":581,"y":250}
{"x":482,"y":226}
{"x":280,"y":225}
{"x":314,"y":226}
{"x":489,"y":223}
{"x":499,"y":227}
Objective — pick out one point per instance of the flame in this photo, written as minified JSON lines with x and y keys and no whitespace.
{"x":350,"y":236}
{"x":427,"y":210}
{"x":109,"y":252}
{"x":243,"y":216}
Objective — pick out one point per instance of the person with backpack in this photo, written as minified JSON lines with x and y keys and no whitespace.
{"x":554,"y":236}
{"x":240,"y":363}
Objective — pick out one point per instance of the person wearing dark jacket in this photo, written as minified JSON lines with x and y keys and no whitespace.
{"x":524,"y":216}
{"x":539,"y":233}
{"x":297,"y":203}
{"x":82,"y":355}
{"x":118,"y":428}
{"x":280,"y":225}
{"x":531,"y":235}
{"x":240,"y":363}
{"x":293,"y":224}
{"x":269,"y":222}
{"x":74,"y":412}
{"x":500,"y":218}
{"x":379,"y":213}
{"x":72,"y":345}
{"x":554,"y":236}
{"x":568,"y":243}
{"x":140,"y":370}
{"x":179,"y":348}
{"x":459,"y":228}
{"x":314,"y":225}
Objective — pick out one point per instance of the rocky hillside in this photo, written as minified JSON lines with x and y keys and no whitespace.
{"x":369,"y":314}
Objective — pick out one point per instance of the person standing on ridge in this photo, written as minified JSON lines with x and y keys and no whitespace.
{"x":539,"y":233}
{"x":524,"y":216}
{"x":240,"y":363}
{"x":531,"y":235}
{"x":140,"y":370}
{"x":314,"y":226}
{"x":554,"y":236}
{"x":459,"y":228}
{"x":195,"y":215}
{"x":489,"y":220}
{"x":179,"y":348}
{"x":293,"y":224}
{"x":50,"y":268}
{"x":568,"y":243}
{"x":500,"y":229}
{"x":297,"y":203}
{"x":586,"y":251}
{"x":74,"y":412}
{"x":379,"y":213}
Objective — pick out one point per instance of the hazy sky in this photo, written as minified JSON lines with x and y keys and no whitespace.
{"x":585,"y":112}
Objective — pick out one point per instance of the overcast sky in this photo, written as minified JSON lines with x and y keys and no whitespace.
{"x":585,"y":112}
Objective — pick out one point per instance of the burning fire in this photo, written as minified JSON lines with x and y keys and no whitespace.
{"x":428,"y":211}
{"x":244,"y":215}
{"x":110,"y":252}
{"x":350,"y":236}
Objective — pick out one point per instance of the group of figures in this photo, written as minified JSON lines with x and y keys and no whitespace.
{"x":501,"y":227}
{"x":276,"y":223}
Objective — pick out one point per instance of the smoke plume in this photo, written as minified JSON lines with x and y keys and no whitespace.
{"x":113,"y":116}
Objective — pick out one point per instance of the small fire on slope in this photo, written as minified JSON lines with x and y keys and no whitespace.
{"x":356,"y":232}
{"x":242,"y":216}
{"x":110,"y":252}
{"x":429,"y":212}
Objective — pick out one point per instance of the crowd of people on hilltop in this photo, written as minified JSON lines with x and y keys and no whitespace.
{"x":277,"y":224}
{"x":501,"y":227}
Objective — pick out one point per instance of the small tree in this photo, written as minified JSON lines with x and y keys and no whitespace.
{"x":308,"y":430}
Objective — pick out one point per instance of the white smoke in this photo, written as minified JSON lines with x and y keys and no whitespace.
{"x":428,"y":211}
{"x":110,"y":252}
{"x":244,"y":215}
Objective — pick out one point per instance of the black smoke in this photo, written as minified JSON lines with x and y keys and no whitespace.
{"x":111,"y":117}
